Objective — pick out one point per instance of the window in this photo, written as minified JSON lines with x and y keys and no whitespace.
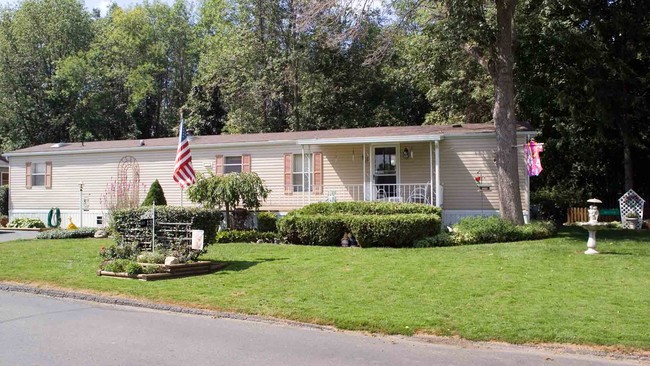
{"x":232,"y":164}
{"x":302,"y":183}
{"x":100,"y":220}
{"x":38,"y":174}
{"x":4,"y":178}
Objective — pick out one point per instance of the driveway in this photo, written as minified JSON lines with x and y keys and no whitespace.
{"x":9,"y":235}
{"x":38,"y":330}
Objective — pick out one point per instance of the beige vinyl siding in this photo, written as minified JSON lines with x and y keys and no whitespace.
{"x":416,"y":169}
{"x":460,"y":160}
{"x":97,"y":170}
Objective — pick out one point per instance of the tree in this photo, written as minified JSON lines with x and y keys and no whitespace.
{"x":155,"y":195}
{"x":34,"y":38}
{"x":485,"y":32}
{"x":228,"y":191}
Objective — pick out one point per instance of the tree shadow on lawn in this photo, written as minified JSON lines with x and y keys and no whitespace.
{"x":236,"y":266}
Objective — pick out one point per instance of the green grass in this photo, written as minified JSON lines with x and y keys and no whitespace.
{"x":540,"y":291}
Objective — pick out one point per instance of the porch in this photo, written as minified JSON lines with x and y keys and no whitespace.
{"x":300,"y":196}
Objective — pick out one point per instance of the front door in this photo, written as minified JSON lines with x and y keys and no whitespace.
{"x":385,"y":172}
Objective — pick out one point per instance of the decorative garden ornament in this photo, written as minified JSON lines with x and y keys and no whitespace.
{"x":592,"y":225}
{"x":631,"y":202}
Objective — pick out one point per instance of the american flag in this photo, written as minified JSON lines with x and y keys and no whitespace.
{"x":183,"y":171}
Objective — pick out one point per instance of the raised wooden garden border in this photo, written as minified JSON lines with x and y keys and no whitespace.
{"x":171,"y":270}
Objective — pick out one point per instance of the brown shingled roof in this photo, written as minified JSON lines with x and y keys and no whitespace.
{"x":468,"y":128}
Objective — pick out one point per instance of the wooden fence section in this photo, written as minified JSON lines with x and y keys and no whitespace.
{"x":581,"y":214}
{"x":577,"y":214}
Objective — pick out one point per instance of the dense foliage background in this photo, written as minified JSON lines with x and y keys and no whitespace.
{"x":581,"y":75}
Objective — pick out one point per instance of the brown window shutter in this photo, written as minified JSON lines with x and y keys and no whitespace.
{"x":218,"y":165}
{"x":28,"y":175}
{"x":48,"y":175}
{"x":318,"y":173}
{"x":246,"y":163}
{"x":288,"y":174}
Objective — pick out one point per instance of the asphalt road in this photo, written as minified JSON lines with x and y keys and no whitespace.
{"x":38,"y":330}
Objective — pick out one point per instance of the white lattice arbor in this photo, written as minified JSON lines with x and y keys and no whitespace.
{"x":631,"y":202}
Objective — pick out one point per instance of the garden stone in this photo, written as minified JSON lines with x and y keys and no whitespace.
{"x":171,"y":260}
{"x":101,"y":233}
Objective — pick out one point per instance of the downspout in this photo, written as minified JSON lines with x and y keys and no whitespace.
{"x":438,"y":187}
{"x":302,"y":179}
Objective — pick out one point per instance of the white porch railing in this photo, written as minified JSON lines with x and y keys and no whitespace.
{"x":295,"y":197}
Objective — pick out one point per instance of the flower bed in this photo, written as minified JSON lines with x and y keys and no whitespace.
{"x":169,"y":270}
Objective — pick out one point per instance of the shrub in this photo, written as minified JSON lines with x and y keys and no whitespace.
{"x":371,"y":223}
{"x":392,"y":230}
{"x":4,"y":200}
{"x":133,"y":269}
{"x":152,"y":257}
{"x":118,"y":252}
{"x":128,"y":220}
{"x":244,"y":236}
{"x":116,"y":266}
{"x":493,"y":229}
{"x":312,"y":229}
{"x":156,"y":195}
{"x":84,"y":232}
{"x":26,"y":223}
{"x":440,"y":240}
{"x":553,"y":202}
{"x":367,"y":208}
{"x":267,"y":222}
{"x":152,"y":269}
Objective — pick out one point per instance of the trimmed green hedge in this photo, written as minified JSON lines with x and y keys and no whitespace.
{"x":312,"y":229}
{"x":373,"y":224}
{"x":392,"y":230}
{"x":84,"y":232}
{"x":4,"y":200}
{"x":244,"y":236}
{"x":202,"y":219}
{"x":367,"y":208}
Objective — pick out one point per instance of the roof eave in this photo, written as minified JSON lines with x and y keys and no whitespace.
{"x":369,"y":140}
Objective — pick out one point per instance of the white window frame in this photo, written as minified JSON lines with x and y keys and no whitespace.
{"x":236,"y":167}
{"x":307,"y":184}
{"x":35,"y":174}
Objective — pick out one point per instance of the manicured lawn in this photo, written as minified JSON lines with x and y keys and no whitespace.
{"x":542,"y":291}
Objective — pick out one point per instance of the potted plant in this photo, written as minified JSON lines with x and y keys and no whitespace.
{"x":631,"y":220}
{"x":4,"y":220}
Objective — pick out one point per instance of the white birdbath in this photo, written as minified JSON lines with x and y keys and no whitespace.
{"x":592,"y":226}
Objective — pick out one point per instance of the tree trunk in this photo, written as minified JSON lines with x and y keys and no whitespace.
{"x":627,"y":154}
{"x":504,"y":115}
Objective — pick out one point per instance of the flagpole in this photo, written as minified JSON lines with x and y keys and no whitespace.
{"x":153,"y":228}
{"x":181,"y":196}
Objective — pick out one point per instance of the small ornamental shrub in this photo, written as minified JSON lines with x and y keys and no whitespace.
{"x":156,"y":195}
{"x":116,"y":266}
{"x":244,"y":236}
{"x":152,"y":257}
{"x":4,"y":200}
{"x":84,"y":232}
{"x":118,"y":252}
{"x":24,"y":223}
{"x":267,"y":222}
{"x":152,"y":269}
{"x":133,"y":269}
